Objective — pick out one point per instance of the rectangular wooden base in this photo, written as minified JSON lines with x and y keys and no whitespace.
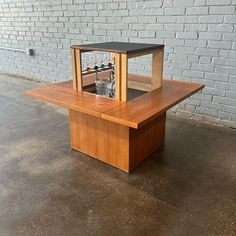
{"x":115,"y":144}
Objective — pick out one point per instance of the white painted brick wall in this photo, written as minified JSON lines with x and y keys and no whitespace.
{"x":200,"y":39}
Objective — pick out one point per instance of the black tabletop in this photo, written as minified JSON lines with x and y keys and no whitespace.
{"x":119,"y":47}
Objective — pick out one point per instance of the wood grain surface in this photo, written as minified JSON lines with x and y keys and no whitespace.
{"x":144,"y":141}
{"x":101,"y":139}
{"x":67,"y":97}
{"x":142,"y":109}
{"x":133,"y":113}
{"x":115,"y":144}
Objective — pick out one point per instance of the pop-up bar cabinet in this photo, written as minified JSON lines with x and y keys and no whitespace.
{"x":121,"y":132}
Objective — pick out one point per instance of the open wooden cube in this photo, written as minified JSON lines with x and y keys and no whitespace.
{"x":121,"y":52}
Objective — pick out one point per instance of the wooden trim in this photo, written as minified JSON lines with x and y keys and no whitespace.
{"x":124,"y":77}
{"x":79,"y":70}
{"x":139,"y":78}
{"x":118,"y":47}
{"x":74,"y":73}
{"x":117,"y":59}
{"x":157,"y":68}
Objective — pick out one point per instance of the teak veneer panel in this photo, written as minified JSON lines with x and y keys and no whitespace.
{"x":69,"y":98}
{"x":142,"y":109}
{"x":133,"y":113}
{"x":146,"y":140}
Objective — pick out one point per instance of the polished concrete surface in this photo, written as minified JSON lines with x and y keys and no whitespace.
{"x":186,"y":188}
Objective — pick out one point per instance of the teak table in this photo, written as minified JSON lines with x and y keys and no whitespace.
{"x":118,"y":131}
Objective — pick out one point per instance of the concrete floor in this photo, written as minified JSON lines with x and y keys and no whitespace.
{"x":186,"y":188}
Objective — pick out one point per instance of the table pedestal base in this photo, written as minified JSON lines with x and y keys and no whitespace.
{"x":115,"y":144}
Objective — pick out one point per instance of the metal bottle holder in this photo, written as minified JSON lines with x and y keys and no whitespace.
{"x":105,"y":85}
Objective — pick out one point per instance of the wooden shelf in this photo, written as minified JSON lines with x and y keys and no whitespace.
{"x":134,"y":113}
